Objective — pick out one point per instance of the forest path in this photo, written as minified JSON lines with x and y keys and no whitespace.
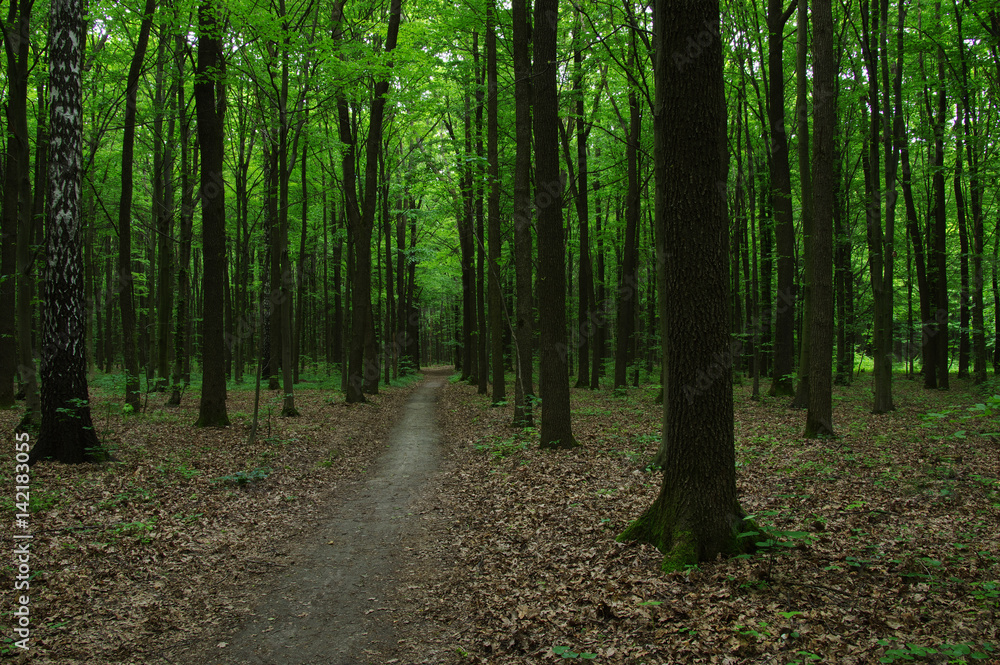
{"x":323,"y":609}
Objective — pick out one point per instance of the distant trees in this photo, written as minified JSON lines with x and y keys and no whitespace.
{"x":394,"y":197}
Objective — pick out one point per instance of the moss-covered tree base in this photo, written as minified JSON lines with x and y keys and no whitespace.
{"x":565,"y":443}
{"x":681,"y":544}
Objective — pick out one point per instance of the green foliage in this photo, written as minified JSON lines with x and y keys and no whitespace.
{"x":38,"y":499}
{"x":139,"y":530}
{"x":327,"y":461}
{"x":985,"y":416}
{"x":959,"y":652}
{"x":182,"y":469}
{"x":566,"y":652}
{"x":500,"y":448}
{"x":242,"y":478}
{"x":130,"y":496}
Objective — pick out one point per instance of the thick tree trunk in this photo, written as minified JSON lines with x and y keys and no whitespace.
{"x":209,"y":98}
{"x":696,"y":515}
{"x":67,"y":433}
{"x":556,"y":429}
{"x":819,"y":419}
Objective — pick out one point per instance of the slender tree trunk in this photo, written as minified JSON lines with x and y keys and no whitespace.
{"x":556,"y":429}
{"x":482,"y":342}
{"x":628,"y":289}
{"x":938,"y":228}
{"x":961,"y":217}
{"x":16,"y":203}
{"x":970,"y":126}
{"x":600,"y":318}
{"x":301,"y":284}
{"x":466,"y":239}
{"x":493,"y":159}
{"x":919,"y":260}
{"x":801,"y":399}
{"x":585,"y":325}
{"x":186,"y":232}
{"x":524,"y":392}
{"x":781,"y":203}
{"x":361,"y":218}
{"x":209,"y":98}
{"x":125,"y":285}
{"x":164,"y":216}
{"x":27,"y":221}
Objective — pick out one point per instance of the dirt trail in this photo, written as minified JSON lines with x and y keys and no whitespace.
{"x":323,"y":609}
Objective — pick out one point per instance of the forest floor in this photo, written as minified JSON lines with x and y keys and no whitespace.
{"x":886,"y":540}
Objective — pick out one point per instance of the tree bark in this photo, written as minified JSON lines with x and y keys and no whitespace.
{"x":937,"y":226}
{"x":186,"y":231}
{"x":628,"y":289}
{"x":209,"y":98}
{"x":28,"y":219}
{"x":126,"y":297}
{"x":16,"y":204}
{"x":586,"y":277}
{"x":493,"y":231}
{"x":482,"y":341}
{"x":361,"y":216}
{"x":163,"y":216}
{"x":696,"y":515}
{"x":781,"y":203}
{"x":556,"y":429}
{"x":801,"y":399}
{"x":67,"y":433}
{"x":524,"y":392}
{"x":819,"y":418}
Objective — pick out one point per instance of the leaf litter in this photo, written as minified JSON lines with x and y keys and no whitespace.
{"x":887,"y":540}
{"x":888,"y":548}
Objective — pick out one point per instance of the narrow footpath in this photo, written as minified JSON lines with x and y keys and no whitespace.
{"x":323,"y":609}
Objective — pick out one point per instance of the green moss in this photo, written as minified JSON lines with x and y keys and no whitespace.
{"x":682,"y":553}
